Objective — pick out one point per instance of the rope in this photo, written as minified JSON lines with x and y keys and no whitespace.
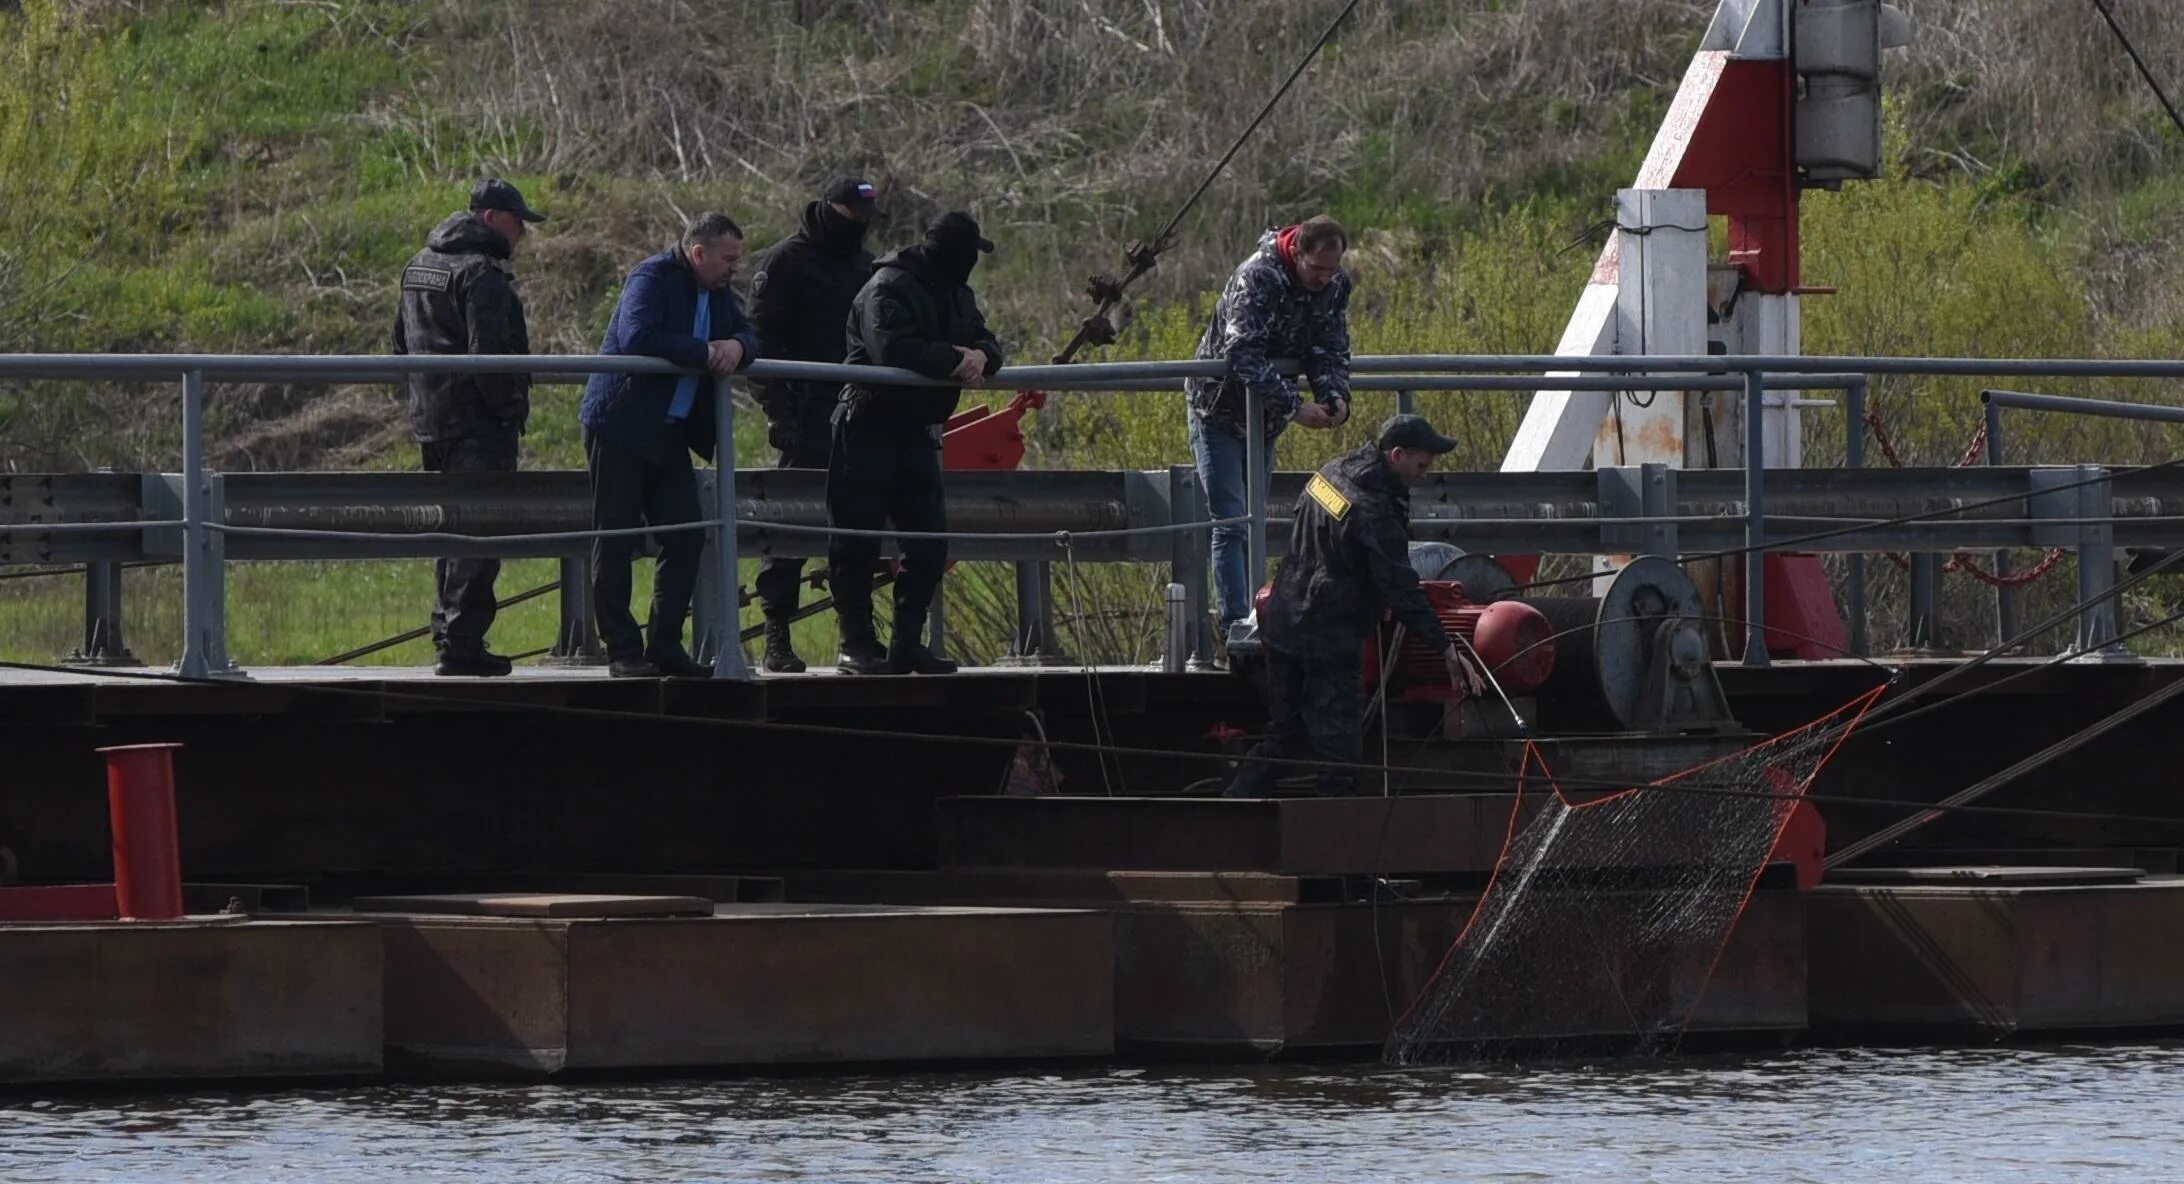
{"x":2143,"y":71}
{"x":1861,"y":526}
{"x":2067,"y":744}
{"x":1062,"y":538}
{"x":1096,"y":329}
{"x":463,"y":703}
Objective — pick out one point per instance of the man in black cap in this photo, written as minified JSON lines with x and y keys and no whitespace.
{"x":916,"y":312}
{"x":800,"y":301}
{"x":459,"y":297}
{"x":1348,"y":561}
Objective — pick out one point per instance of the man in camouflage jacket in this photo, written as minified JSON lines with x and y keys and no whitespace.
{"x":1290,"y":299}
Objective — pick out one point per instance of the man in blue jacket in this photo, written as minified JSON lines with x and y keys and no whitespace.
{"x":640,"y":429}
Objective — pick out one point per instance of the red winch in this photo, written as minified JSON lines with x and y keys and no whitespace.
{"x":1512,"y":639}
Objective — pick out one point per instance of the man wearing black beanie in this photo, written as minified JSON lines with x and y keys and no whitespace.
{"x":917,"y":312}
{"x":800,"y":300}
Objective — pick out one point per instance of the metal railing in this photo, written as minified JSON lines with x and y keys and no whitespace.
{"x":192,"y":500}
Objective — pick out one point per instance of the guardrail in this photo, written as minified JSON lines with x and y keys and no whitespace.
{"x":193,"y":506}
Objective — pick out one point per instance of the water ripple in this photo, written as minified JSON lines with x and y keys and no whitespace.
{"x":2059,"y":1112}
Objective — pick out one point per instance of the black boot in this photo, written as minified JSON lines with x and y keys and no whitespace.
{"x":912,"y":657}
{"x":469,"y":663}
{"x":907,"y":651}
{"x":780,"y":654}
{"x":861,"y":650}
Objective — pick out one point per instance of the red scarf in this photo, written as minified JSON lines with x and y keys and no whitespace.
{"x":1285,"y":248}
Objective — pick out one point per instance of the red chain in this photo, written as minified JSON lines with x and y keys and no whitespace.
{"x":1962,"y":561}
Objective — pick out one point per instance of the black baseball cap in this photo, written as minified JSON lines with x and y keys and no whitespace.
{"x":854,"y":192}
{"x":957,"y":226}
{"x":1412,"y":431}
{"x":496,"y":194}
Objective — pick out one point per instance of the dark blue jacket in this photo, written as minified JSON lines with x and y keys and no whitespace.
{"x":653,"y":319}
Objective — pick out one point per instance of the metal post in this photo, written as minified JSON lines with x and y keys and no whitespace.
{"x":1922,"y":628}
{"x":1406,"y":403}
{"x":1024,"y":647}
{"x":2097,"y":621}
{"x":1189,"y":554}
{"x":1175,"y":654}
{"x":937,"y":619}
{"x":204,"y":608}
{"x":2005,"y":599}
{"x":1755,"y":520}
{"x":1035,"y":642}
{"x":728,"y":655}
{"x":1255,"y":492}
{"x":103,"y":643}
{"x":1854,"y":395}
{"x":576,"y":642}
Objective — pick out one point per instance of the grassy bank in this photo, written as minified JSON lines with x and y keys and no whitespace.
{"x":250,"y":176}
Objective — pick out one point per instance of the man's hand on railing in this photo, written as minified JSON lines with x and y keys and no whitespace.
{"x":1312,"y":415}
{"x":971,"y":366}
{"x":722,"y":357}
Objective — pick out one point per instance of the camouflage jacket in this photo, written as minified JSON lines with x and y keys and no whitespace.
{"x":1265,"y":314}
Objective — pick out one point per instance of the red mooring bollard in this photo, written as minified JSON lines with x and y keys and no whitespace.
{"x":147,"y":852}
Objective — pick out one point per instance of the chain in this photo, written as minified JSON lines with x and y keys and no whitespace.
{"x":1961,"y":561}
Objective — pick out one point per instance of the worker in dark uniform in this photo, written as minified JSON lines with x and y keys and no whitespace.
{"x":1349,"y":560}
{"x":800,"y":301}
{"x":916,"y":312}
{"x":458,"y":297}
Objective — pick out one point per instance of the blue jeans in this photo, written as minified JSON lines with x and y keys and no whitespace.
{"x":1220,"y":458}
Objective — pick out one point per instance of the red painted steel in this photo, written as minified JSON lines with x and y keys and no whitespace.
{"x":1802,"y":621}
{"x":983,"y":438}
{"x":59,"y":902}
{"x":1803,"y":844}
{"x":147,"y":853}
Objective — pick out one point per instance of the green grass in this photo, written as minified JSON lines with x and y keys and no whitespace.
{"x":247,"y":176}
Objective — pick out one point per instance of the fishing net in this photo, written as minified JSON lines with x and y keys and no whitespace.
{"x":1607,"y":913}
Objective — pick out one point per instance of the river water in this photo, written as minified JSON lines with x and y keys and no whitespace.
{"x":2047,"y":1113}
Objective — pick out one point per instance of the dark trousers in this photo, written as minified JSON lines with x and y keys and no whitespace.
{"x":1315,"y":711}
{"x":630,"y":489}
{"x":463,"y":605}
{"x":803,"y":445}
{"x":880,"y":473}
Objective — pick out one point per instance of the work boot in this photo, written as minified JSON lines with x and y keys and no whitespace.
{"x":912,"y":657}
{"x":632,"y":668}
{"x":677,"y":663}
{"x":780,"y":654}
{"x":478,"y":663}
{"x":863,"y":656}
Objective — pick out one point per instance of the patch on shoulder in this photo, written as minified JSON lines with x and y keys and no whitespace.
{"x":1330,"y":499}
{"x":427,"y":279}
{"x":758,"y":284}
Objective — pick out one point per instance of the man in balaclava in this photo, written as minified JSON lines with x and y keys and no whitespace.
{"x":800,"y":299}
{"x":916,"y":312}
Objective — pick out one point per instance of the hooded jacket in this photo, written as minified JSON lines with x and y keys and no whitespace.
{"x":1349,"y":559}
{"x":1264,"y":314}
{"x":801,"y":296}
{"x":912,"y":313}
{"x":457,"y":297}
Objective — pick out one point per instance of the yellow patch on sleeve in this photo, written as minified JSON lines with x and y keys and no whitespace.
{"x":1329,"y":498}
